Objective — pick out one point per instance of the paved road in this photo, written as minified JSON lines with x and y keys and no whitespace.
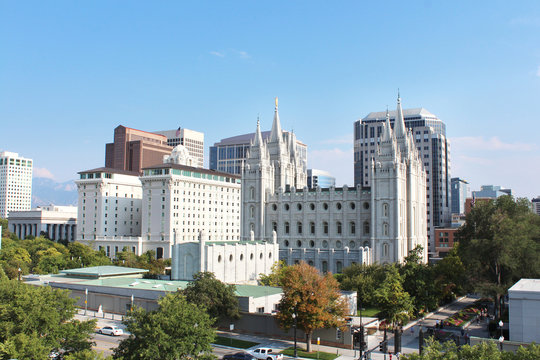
{"x":104,"y":343}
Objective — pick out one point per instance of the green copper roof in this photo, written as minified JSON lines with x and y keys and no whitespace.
{"x":256,"y":291}
{"x":100,"y":271}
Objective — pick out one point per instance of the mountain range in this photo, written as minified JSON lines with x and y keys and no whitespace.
{"x":47,"y":191}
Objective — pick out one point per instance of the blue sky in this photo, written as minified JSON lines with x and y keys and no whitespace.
{"x":70,"y":72}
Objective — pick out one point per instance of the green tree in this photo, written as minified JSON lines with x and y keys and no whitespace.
{"x":176,"y":330}
{"x":364,"y":279}
{"x":395,"y":303}
{"x":314,"y":299}
{"x":81,"y":255}
{"x":35,"y":321}
{"x":275,"y":276}
{"x":218,"y":298}
{"x":450,"y":275}
{"x":499,"y":244}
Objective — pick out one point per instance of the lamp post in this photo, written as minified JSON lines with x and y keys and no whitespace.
{"x":501,"y":338}
{"x":19,"y":270}
{"x":85,"y":301}
{"x":131,"y":302}
{"x":294,"y":325}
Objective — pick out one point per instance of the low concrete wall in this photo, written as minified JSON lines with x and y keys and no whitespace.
{"x":267,"y":325}
{"x":506,"y":346}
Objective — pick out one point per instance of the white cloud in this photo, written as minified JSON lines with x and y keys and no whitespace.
{"x":217,"y":53}
{"x":340,"y":163}
{"x":243,"y":55}
{"x":470,"y":143}
{"x":344,"y":139}
{"x":43,"y":173}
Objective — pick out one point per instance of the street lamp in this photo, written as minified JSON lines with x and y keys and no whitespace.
{"x":294,"y":325}
{"x":501,"y":338}
{"x":19,"y":270}
{"x":85,"y":301}
{"x":131,"y":302}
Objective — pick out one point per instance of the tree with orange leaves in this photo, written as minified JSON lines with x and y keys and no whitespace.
{"x":313,"y":298}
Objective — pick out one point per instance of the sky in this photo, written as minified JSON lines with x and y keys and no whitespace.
{"x":71,"y":71}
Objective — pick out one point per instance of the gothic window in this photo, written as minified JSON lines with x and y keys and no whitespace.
{"x":338,"y":228}
{"x":352,"y":227}
{"x":385,"y":229}
{"x":325,"y":228}
{"x":252,"y":193}
{"x":366,"y":228}
{"x":385,"y":249}
{"x":286,"y":228}
{"x":385,"y":209}
{"x":299,"y":243}
{"x":339,"y":267}
{"x":324,"y":267}
{"x":251,"y":212}
{"x":338,"y":206}
{"x":252,"y":227}
{"x":312,"y":228}
{"x":299,"y":227}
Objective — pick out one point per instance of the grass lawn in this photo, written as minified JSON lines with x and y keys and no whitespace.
{"x":237,"y":343}
{"x":370,"y":312}
{"x":311,"y":355}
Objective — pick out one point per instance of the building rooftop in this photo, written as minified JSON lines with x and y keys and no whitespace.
{"x":407,"y":113}
{"x":526,"y":285}
{"x":246,"y":138}
{"x":102,"y":271}
{"x":191,"y":168}
{"x":109,"y":170}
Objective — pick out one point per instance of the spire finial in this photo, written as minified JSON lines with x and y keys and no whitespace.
{"x":398,"y":96}
{"x":276,"y":99}
{"x":258,"y":119}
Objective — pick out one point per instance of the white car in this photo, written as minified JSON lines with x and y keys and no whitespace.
{"x":265,"y":354}
{"x":111,"y":330}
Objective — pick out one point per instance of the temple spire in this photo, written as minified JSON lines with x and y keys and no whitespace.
{"x":399,"y":124}
{"x":258,"y":136}
{"x":387,"y":133}
{"x":276,"y":134}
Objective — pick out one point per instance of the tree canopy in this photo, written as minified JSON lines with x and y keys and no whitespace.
{"x":315,"y":300}
{"x":35,"y":321}
{"x":217,"y":298}
{"x":176,"y":330}
{"x":395,"y":303}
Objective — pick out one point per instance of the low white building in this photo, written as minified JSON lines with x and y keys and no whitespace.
{"x":233,"y":262}
{"x":52,"y":221}
{"x":524,"y":311}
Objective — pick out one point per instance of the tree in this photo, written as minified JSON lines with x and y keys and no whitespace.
{"x":315,"y":300}
{"x":450,"y":275}
{"x":395,"y":303}
{"x":176,"y":330}
{"x":275,"y":276}
{"x":499,"y":244}
{"x":364,"y":279}
{"x":35,"y":321}
{"x":218,"y":298}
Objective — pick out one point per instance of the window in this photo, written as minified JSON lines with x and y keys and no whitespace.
{"x":274,"y":226}
{"x":325,"y":228}
{"x":286,"y":228}
{"x":339,"y":267}
{"x":299,"y":227}
{"x":385,"y":209}
{"x":385,"y":249}
{"x":385,"y":229}
{"x":338,"y":228}
{"x":325,"y":267}
{"x":366,"y":228}
{"x":352,"y":227}
{"x":312,"y":228}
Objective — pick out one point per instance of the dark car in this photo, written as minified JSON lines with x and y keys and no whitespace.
{"x":238,"y":356}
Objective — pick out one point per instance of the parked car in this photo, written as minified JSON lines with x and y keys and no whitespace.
{"x":265,"y":354}
{"x":111,"y":330}
{"x":239,"y":356}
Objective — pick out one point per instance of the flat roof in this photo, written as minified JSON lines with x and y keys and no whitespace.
{"x":109,"y":170}
{"x":193,"y":169}
{"x":528,"y":285}
{"x":101,"y":271}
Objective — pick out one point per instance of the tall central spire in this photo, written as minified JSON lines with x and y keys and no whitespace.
{"x":258,"y":136}
{"x":276,"y":134}
{"x":399,"y":124}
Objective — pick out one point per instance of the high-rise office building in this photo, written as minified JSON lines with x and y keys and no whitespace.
{"x":134,"y":149}
{"x":192,"y":140}
{"x":229,"y":154}
{"x":491,"y":192}
{"x":460,"y":192}
{"x":320,"y":178}
{"x":429,"y":134}
{"x":536,"y":205}
{"x":15,"y":183}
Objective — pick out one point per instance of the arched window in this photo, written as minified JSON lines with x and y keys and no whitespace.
{"x":299,"y":227}
{"x":338,"y":228}
{"x":339,"y":267}
{"x":366,"y":228}
{"x":352,"y":227}
{"x":385,"y":229}
{"x":324,"y":267}
{"x":252,"y":193}
{"x":385,"y":249}
{"x":325,"y":228}
{"x":251,"y":211}
{"x":312,"y":228}
{"x":287,"y":228}
{"x":385,"y":209}
{"x":252,"y":227}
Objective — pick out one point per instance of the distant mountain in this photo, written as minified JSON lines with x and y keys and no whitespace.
{"x":47,"y":191}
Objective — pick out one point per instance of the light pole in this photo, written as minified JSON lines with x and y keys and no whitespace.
{"x":294,"y":325}
{"x":131,"y":302}
{"x":501,"y":338}
{"x":85,"y":301}
{"x":19,"y":270}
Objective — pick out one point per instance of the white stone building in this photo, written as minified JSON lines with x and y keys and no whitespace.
{"x":15,"y":183}
{"x":524,"y":311}
{"x":192,"y":140}
{"x":54,"y":222}
{"x":332,"y":228}
{"x":109,"y":210}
